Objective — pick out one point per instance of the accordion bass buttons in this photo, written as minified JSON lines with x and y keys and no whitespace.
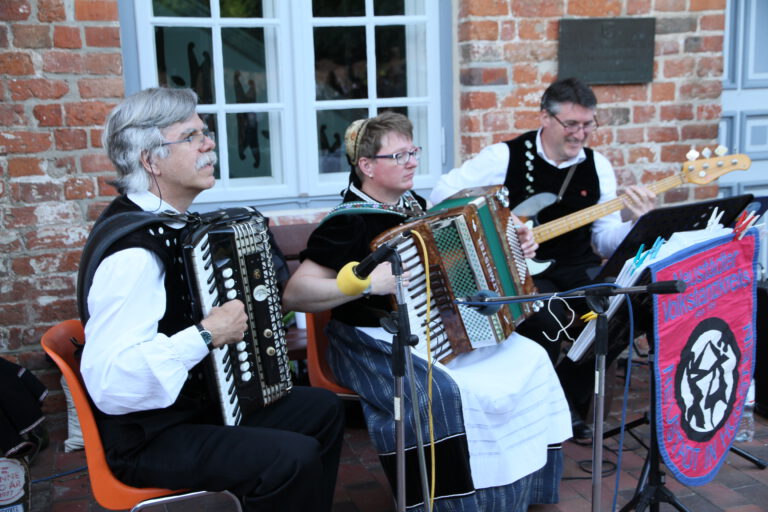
{"x":227,"y":273}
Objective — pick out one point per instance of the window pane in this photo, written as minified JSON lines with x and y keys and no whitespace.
{"x":394,"y":78}
{"x":340,"y":64}
{"x":244,"y":65}
{"x":184,"y":59}
{"x":388,"y":7}
{"x":248,"y":150}
{"x":322,"y":8}
{"x":241,"y":8}
{"x":331,"y":125}
{"x":182,"y":8}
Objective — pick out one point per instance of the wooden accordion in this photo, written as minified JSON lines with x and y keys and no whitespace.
{"x":228,"y":256}
{"x":471,"y":246}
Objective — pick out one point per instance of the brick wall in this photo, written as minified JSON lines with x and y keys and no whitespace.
{"x":508,"y":55}
{"x":60,"y":74}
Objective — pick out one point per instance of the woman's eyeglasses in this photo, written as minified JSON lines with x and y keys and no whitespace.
{"x":403,"y":157}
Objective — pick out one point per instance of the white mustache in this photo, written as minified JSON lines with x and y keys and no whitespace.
{"x":209,"y":158}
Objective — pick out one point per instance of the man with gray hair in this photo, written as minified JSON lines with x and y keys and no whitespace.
{"x":143,"y":357}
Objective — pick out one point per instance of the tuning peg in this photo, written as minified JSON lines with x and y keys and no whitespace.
{"x":706,"y":152}
{"x":692,"y":154}
{"x":721,"y":150}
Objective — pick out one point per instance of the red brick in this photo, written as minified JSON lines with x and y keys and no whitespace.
{"x":601,"y":137}
{"x":475,"y":30}
{"x":33,"y":192}
{"x":67,"y":37}
{"x":538,"y":9}
{"x":51,"y":10}
{"x":700,"y":131}
{"x":664,"y":91}
{"x":670,"y":5}
{"x":707,"y":112}
{"x":674,"y":153}
{"x":95,"y":209}
{"x":12,"y":115}
{"x":615,"y":156}
{"x":526,"y":120}
{"x":16,"y":63}
{"x":484,"y":76}
{"x":683,"y":66}
{"x":105,"y":186}
{"x":96,"y":135}
{"x":703,"y":44}
{"x":4,"y":36}
{"x":524,"y":73}
{"x":495,"y":121}
{"x":660,"y":135}
{"x":48,"y":115}
{"x":533,"y":29}
{"x":96,"y":163}
{"x":705,"y":192}
{"x":478,"y":100}
{"x":666,"y":47}
{"x":25,"y":142}
{"x":15,"y":10}
{"x":79,"y":188}
{"x":15,"y":314}
{"x":25,"y":166}
{"x":67,"y":140}
{"x":56,"y":237}
{"x":96,"y":10}
{"x":707,"y":5}
{"x":508,"y":30}
{"x":701,"y":90}
{"x":474,"y":53}
{"x":39,"y":88}
{"x":472,"y":145}
{"x":712,"y":22}
{"x":641,"y":155}
{"x":31,"y":36}
{"x":104,"y":63}
{"x":678,"y":112}
{"x":630,"y":135}
{"x":86,"y":113}
{"x":643,"y":113}
{"x":635,"y":7}
{"x":56,"y":310}
{"x":620,"y":93}
{"x":594,"y":8}
{"x":102,"y":37}
{"x":677,"y":195}
{"x":484,"y":8}
{"x":710,"y":67}
{"x":57,"y":61}
{"x":47,"y":263}
{"x":537,"y":51}
{"x":64,"y":165}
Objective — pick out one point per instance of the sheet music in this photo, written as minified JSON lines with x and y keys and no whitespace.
{"x":631,"y":271}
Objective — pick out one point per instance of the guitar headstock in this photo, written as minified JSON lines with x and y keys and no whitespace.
{"x":707,"y":170}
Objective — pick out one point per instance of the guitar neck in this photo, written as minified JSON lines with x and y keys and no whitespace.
{"x":557,"y":227}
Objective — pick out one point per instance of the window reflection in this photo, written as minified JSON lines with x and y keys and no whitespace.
{"x":249,"y":148}
{"x":184,"y":59}
{"x":333,"y":8}
{"x":340,"y":64}
{"x":331,"y":127}
{"x":181,"y":8}
{"x":390,"y":61}
{"x":241,"y":8}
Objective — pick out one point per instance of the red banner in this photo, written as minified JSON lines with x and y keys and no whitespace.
{"x":704,"y":341}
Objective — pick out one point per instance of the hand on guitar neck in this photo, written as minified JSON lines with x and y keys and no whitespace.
{"x":637,"y":200}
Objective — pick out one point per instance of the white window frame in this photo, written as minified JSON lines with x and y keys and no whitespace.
{"x":297,"y":161}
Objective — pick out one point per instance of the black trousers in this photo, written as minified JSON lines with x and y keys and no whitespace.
{"x":284,"y":457}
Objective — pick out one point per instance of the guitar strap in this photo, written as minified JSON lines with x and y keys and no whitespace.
{"x":566,"y":182}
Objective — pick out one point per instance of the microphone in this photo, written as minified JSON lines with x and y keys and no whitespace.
{"x":487,"y":309}
{"x":355,"y":277}
{"x":663,"y":287}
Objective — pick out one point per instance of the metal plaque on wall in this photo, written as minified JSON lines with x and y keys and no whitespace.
{"x":607,"y":51}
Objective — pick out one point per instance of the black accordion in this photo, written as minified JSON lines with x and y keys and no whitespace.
{"x":228,"y":255}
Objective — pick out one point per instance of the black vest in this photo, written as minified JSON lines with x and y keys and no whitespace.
{"x":529,"y":174}
{"x":125,"y":434}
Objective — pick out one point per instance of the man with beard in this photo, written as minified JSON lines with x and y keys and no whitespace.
{"x":143,"y":357}
{"x":555,"y":159}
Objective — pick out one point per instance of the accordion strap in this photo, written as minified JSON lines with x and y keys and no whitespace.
{"x":101,"y":238}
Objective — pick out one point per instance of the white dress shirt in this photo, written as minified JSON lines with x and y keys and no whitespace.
{"x":489,"y":167}
{"x":127,"y":365}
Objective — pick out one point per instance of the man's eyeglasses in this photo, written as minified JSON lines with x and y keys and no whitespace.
{"x":197,"y":138}
{"x":403,"y":157}
{"x":572,"y":127}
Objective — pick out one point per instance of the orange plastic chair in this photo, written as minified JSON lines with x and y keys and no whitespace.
{"x":320,"y":374}
{"x":110,"y":492}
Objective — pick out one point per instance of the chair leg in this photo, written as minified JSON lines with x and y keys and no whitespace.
{"x":238,"y":507}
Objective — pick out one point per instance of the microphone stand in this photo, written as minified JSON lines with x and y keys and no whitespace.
{"x":597,"y":299}
{"x":402,"y":340}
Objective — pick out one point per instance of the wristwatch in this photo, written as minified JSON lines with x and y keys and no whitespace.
{"x":207,"y":336}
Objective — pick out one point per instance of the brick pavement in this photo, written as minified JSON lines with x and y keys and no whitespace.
{"x":362,"y":487}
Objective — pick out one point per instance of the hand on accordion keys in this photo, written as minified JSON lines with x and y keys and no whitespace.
{"x":227,"y":323}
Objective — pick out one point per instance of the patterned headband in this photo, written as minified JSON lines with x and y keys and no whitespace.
{"x":352,"y":139}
